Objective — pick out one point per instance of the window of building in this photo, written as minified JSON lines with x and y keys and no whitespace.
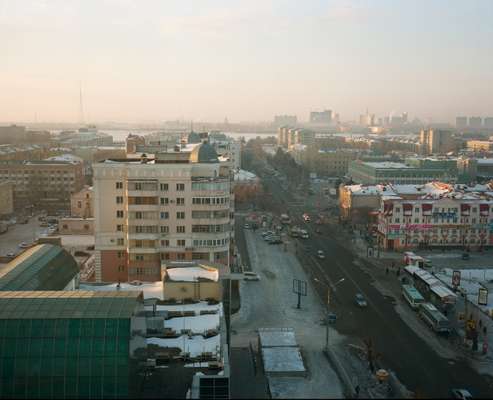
{"x":119,"y":213}
{"x":119,"y":241}
{"x":180,"y":229}
{"x":180,"y":187}
{"x":164,"y":214}
{"x":79,"y":204}
{"x":164,"y":201}
{"x":164,"y":256}
{"x":180,"y":215}
{"x":180,"y":256}
{"x":165,"y":243}
{"x":163,"y":187}
{"x":119,"y":185}
{"x":121,"y":268}
{"x":180,"y":242}
{"x":119,"y":228}
{"x":180,"y":201}
{"x":119,"y":254}
{"x":119,"y":199}
{"x":164,"y":229}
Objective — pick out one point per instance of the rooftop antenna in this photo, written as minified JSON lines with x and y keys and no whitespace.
{"x":81,"y":107}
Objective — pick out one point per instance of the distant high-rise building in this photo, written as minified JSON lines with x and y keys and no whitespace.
{"x":461,"y":122}
{"x":436,"y":141}
{"x":280,"y":120}
{"x":321,"y":117}
{"x":404,"y":117}
{"x":475,"y":122}
{"x":367,"y":119}
{"x":488,"y":122}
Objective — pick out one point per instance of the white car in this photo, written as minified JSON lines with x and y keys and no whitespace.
{"x":320,"y":254}
{"x":246,"y":226}
{"x":463,"y":394}
{"x":250,"y":276}
{"x":24,"y":245}
{"x":10,"y":254}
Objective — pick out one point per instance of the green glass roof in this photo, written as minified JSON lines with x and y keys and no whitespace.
{"x":42,"y":267}
{"x":68,"y":304}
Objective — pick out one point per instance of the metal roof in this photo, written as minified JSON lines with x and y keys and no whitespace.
{"x":42,"y":267}
{"x":68,"y":304}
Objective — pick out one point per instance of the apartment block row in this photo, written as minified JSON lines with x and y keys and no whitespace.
{"x":176,"y":206}
{"x":446,"y":222}
{"x":288,"y":137}
{"x":45,"y":184}
{"x":435,"y":214}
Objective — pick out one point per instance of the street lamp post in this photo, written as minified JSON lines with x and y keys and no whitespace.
{"x":327,"y":320}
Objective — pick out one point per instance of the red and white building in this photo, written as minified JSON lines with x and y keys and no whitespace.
{"x":454,"y":219}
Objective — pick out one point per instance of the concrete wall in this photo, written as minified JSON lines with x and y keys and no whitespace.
{"x":76,"y":226}
{"x":193,"y":290}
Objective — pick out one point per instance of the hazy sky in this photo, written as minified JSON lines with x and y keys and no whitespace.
{"x":151,"y":60}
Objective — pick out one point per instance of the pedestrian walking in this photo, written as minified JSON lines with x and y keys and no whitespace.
{"x":387,"y":271}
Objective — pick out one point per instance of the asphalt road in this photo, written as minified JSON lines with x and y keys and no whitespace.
{"x":417,"y":365}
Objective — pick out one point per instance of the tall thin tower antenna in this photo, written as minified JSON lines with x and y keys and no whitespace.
{"x":81,"y":105}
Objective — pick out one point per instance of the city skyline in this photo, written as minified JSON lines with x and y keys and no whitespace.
{"x":246,"y":61}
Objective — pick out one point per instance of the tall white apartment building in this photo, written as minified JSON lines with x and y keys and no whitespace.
{"x":176,"y":205}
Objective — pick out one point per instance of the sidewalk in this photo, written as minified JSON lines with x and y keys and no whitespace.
{"x":389,"y":285}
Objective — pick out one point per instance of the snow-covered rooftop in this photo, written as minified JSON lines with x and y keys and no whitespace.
{"x":277,"y":337}
{"x":386,"y":165}
{"x":192,"y":274}
{"x":243,"y":175}
{"x":195,"y":345}
{"x":153,"y":290}
{"x":285,"y":360}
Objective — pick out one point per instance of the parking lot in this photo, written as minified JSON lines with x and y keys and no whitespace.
{"x":18,"y":233}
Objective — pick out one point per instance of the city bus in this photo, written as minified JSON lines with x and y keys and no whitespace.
{"x":412,"y":296}
{"x":434,"y":318}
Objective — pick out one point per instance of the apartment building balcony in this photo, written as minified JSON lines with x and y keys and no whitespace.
{"x":210,"y":221}
{"x":144,"y":236}
{"x":143,"y":193}
{"x":143,"y":207}
{"x":143,"y":250}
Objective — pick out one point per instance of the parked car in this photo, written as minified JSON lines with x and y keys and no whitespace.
{"x":275,"y":240}
{"x":267,"y":233}
{"x":24,"y":245}
{"x":320,"y":254}
{"x":466,"y":256}
{"x":44,"y":224}
{"x":250,"y":276}
{"x":461,"y":394}
{"x":246,"y":226}
{"x":10,"y":254}
{"x":360,"y":300}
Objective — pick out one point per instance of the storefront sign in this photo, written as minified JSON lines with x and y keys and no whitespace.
{"x":483,"y":297}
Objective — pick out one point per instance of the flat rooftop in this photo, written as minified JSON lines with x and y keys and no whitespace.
{"x":283,"y":361}
{"x":277,"y":337}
